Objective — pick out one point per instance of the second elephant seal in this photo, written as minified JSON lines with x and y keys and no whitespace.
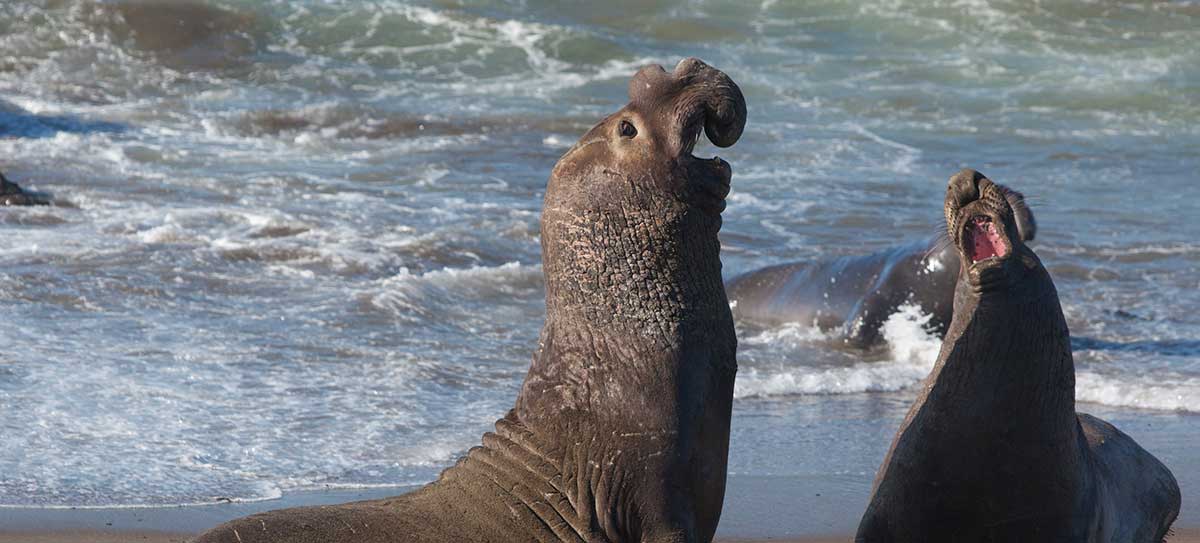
{"x":992,"y":449}
{"x":11,"y":194}
{"x":853,"y":296}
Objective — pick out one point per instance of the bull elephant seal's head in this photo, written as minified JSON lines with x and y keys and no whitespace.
{"x":628,"y":209}
{"x":641,"y":156}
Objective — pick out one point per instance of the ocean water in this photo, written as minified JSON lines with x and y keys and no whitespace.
{"x":297,"y":241}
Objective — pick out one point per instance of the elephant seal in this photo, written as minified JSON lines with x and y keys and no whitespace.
{"x":855,"y":295}
{"x":11,"y":194}
{"x":621,"y":429}
{"x":992,"y":449}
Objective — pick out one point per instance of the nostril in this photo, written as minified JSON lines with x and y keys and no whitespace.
{"x":964,"y":186}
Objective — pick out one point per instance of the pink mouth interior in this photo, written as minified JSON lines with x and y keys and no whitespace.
{"x":985,"y":240}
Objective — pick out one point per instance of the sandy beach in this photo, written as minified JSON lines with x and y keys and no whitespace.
{"x":782,"y":509}
{"x":1184,"y":535}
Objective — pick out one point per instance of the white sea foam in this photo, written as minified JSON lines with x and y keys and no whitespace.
{"x":1169,"y":392}
{"x":863,"y":377}
{"x":913,"y":351}
{"x":787,"y":335}
{"x":255,"y":491}
{"x":473,"y":276}
{"x":557,"y":141}
{"x":909,"y":338}
{"x":411,"y":296}
{"x":748,"y":200}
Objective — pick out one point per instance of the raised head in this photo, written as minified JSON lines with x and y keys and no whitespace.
{"x":989,"y":224}
{"x":641,"y":156}
{"x":631,"y":216}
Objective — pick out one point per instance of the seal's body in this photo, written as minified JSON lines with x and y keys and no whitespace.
{"x":993,"y":450}
{"x":854,"y":295}
{"x":11,"y":194}
{"x":621,"y":428}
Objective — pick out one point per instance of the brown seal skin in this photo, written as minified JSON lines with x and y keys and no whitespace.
{"x":621,"y":428}
{"x":853,"y":296}
{"x":11,"y":194}
{"x":992,"y":449}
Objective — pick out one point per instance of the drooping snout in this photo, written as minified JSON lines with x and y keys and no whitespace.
{"x":695,"y":96}
{"x":724,"y":107}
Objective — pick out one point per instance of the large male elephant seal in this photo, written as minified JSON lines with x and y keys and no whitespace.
{"x":993,"y":449}
{"x":855,"y":295}
{"x":621,"y":428}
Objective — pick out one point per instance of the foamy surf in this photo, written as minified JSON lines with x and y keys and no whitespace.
{"x":1168,"y":392}
{"x":913,"y":351}
{"x":428,"y":296}
{"x":911,"y":348}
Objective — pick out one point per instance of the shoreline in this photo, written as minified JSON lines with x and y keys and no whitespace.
{"x":1180,"y":535}
{"x":820,"y":509}
{"x":755,"y":507}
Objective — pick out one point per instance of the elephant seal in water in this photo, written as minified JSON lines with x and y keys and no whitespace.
{"x":855,"y":295}
{"x":993,"y":449}
{"x":621,"y":429}
{"x":11,"y":194}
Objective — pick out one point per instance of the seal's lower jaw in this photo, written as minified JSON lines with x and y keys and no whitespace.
{"x":708,"y":177}
{"x":708,"y":182}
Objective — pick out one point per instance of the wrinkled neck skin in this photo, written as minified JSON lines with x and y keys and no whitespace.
{"x":993,"y":437}
{"x":1008,"y":353}
{"x":625,"y":410}
{"x":637,"y":353}
{"x":643,"y":287}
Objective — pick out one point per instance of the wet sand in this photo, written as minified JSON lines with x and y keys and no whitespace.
{"x":1189,"y":535}
{"x":91,"y":536}
{"x":819,"y":509}
{"x":158,"y":537}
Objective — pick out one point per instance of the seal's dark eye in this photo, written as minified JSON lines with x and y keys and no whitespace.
{"x":627,"y":129}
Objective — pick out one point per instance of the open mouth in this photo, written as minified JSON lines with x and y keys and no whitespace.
{"x":690,"y":147}
{"x":715,"y":177}
{"x":982,"y":240}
